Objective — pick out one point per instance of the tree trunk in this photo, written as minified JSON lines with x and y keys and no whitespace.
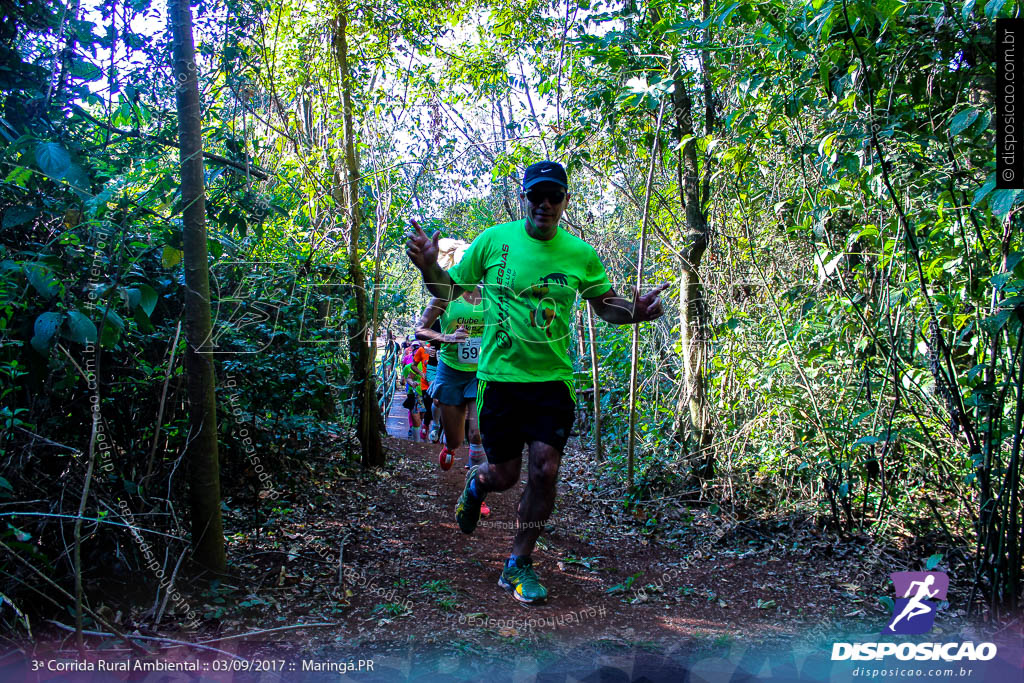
{"x":366,"y":404}
{"x":693,"y":322}
{"x":201,"y":453}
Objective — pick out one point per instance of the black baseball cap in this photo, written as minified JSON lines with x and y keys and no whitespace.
{"x":545,"y":172}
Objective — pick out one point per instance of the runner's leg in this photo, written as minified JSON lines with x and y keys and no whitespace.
{"x":538,"y":498}
{"x":498,"y":477}
{"x":477,"y":455}
{"x":435,"y":407}
{"x":425,"y":414}
{"x":452,"y":418}
{"x":476,"y":448}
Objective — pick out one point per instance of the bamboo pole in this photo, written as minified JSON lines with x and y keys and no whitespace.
{"x":635,"y":349}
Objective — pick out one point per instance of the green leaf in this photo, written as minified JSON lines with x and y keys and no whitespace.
{"x":45,"y":329}
{"x":142,"y":320}
{"x":147,"y":299}
{"x":986,"y":187}
{"x":80,"y":328}
{"x":85,"y":70}
{"x":993,"y":7}
{"x":724,"y":15}
{"x":999,"y":281}
{"x":41,"y":277}
{"x":1002,"y":201}
{"x":18,"y":215}
{"x":6,"y":490}
{"x":79,"y":181}
{"x":112,"y":329}
{"x":132,"y":296}
{"x":962,"y":120}
{"x":53,"y":160}
{"x":170,"y":257}
{"x":994,"y":323}
{"x":968,"y":7}
{"x":933,"y":561}
{"x":1012,"y":259}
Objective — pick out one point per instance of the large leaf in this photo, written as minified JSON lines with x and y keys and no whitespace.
{"x":962,"y":120}
{"x":132,"y":296}
{"x":45,"y":329}
{"x":18,"y":215}
{"x":986,"y":187}
{"x":992,"y":8}
{"x":42,"y":278}
{"x":84,"y":70}
{"x":1002,"y":201}
{"x":53,"y":159}
{"x":170,"y":257}
{"x":147,"y":299}
{"x":80,"y":328}
{"x":111,"y":329}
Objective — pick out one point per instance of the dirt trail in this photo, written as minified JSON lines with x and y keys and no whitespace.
{"x":587,"y":558}
{"x":664,"y":585}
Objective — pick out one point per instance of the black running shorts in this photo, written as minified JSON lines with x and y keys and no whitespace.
{"x":512,"y":414}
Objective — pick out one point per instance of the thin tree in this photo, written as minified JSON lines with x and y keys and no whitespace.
{"x":693,"y":316}
{"x":634,"y":356}
{"x":201,"y":451}
{"x":367,"y":431}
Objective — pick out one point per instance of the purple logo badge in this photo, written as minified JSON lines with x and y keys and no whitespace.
{"x":917,"y":594}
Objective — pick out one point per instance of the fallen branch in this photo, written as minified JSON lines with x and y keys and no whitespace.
{"x":50,"y":581}
{"x":159,"y":639}
{"x":269,"y":630}
{"x":47,"y":441}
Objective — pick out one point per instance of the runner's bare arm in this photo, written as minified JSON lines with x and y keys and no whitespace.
{"x":431,"y":313}
{"x":422,"y":251}
{"x":617,"y":310}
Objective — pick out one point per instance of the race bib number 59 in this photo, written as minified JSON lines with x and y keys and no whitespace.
{"x":469,"y":350}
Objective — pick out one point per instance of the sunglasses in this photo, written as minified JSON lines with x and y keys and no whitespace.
{"x":537,"y":197}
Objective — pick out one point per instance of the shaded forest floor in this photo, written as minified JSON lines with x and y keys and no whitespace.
{"x":664,"y":578}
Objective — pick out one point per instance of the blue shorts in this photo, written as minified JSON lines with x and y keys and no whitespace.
{"x":453,"y":387}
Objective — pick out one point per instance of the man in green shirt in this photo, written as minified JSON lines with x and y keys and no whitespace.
{"x":531,"y":272}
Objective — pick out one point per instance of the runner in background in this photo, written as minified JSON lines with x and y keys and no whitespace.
{"x":457,"y":326}
{"x":433,"y":348}
{"x":421,"y":357}
{"x":411,"y":376}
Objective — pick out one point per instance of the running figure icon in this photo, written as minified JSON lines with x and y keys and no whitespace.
{"x":916,"y":603}
{"x":916,"y":606}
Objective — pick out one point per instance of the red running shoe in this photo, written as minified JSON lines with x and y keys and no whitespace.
{"x":445,"y":458}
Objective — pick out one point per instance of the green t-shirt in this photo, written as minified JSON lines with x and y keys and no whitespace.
{"x":529,"y":292}
{"x":412,"y":374}
{"x":461,"y":313}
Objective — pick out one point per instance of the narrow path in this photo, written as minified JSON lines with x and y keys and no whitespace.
{"x":660,"y":576}
{"x":607,"y":579}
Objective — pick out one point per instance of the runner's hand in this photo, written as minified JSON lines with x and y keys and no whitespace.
{"x":648,"y":306}
{"x":420,"y":249}
{"x":458,"y":336}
